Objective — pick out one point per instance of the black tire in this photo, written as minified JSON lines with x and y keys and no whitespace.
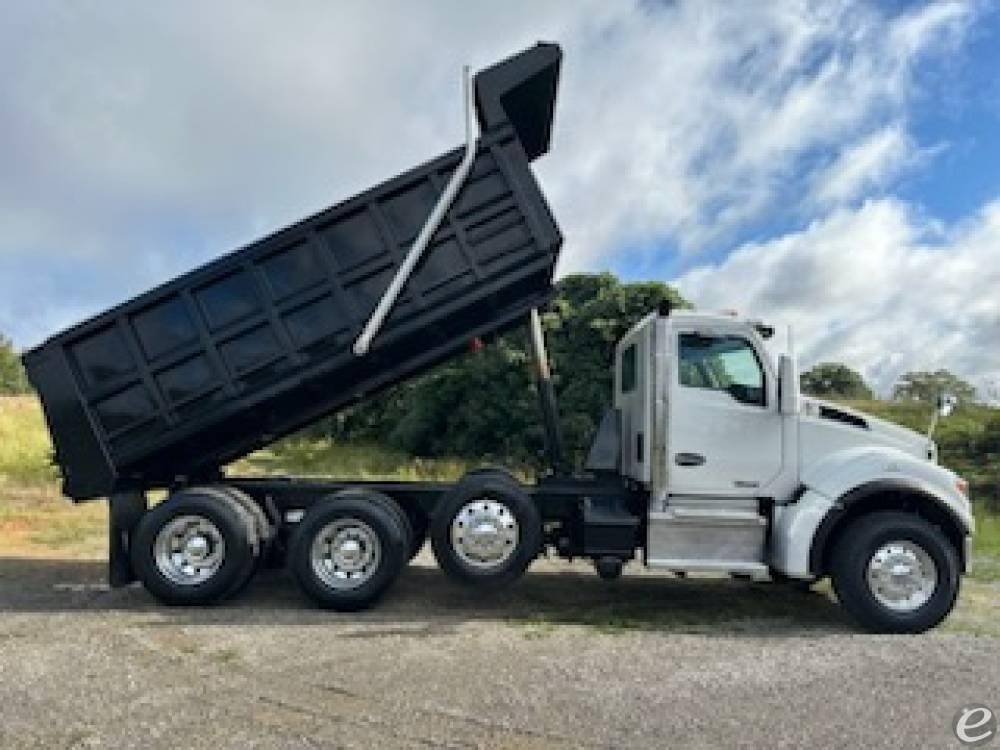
{"x":486,"y":486}
{"x":265,"y":530}
{"x":260,"y":536}
{"x":855,"y":548}
{"x":233,"y":525}
{"x":381,"y":521}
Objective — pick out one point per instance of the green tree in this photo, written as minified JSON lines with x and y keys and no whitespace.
{"x":12,"y":378}
{"x":484,"y":404}
{"x":832,"y":379}
{"x":927,"y":386}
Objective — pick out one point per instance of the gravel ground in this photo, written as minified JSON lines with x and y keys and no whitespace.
{"x":560,"y":660}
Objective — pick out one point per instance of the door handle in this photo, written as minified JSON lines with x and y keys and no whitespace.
{"x":689,"y":459}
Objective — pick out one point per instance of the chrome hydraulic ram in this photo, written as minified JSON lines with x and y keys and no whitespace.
{"x":406,"y":268}
{"x":546,"y":394}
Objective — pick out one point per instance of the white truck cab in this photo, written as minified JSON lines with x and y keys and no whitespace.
{"x":746,"y":476}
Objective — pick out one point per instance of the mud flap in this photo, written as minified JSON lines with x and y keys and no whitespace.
{"x":124,"y":511}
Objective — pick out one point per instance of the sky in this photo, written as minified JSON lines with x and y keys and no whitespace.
{"x":830,"y":165}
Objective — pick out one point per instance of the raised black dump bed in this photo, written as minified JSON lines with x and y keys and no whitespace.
{"x":260,"y":342}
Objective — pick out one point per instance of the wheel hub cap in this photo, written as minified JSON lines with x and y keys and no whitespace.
{"x":484,"y":533}
{"x":349,"y":553}
{"x":346,"y":553}
{"x":189,"y":550}
{"x":197,"y":547}
{"x":902,"y":576}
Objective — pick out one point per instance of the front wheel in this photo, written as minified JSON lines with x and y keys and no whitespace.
{"x":895,"y":573}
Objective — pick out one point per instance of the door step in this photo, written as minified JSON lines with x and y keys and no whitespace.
{"x":755,"y":570}
{"x":708,"y":534}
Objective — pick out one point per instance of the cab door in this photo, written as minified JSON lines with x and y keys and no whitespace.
{"x":725,"y":428}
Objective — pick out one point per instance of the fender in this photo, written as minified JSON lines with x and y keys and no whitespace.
{"x":831,"y":487}
{"x":844,"y":471}
{"x":842,"y":508}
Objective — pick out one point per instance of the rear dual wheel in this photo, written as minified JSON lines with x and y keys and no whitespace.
{"x":412,"y":521}
{"x":349,"y":549}
{"x":200,"y":546}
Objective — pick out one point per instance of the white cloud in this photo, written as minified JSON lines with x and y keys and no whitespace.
{"x":138,"y":140}
{"x":709,"y":117}
{"x":877,"y":287}
{"x":868,"y":164}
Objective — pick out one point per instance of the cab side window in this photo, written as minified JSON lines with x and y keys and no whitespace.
{"x":722,"y":363}
{"x":629,"y":367}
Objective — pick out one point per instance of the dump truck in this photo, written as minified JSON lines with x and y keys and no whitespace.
{"x":708,"y":461}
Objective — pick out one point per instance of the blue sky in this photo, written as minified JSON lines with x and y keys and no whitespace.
{"x":834,"y":165}
{"x":959,"y":107}
{"x":954,"y":114}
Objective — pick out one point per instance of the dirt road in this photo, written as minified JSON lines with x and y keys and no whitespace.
{"x":561,"y":660}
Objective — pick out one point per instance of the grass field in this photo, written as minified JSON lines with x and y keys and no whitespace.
{"x":25,"y":450}
{"x":312,"y":457}
{"x":35,"y":520}
{"x":960,"y":439}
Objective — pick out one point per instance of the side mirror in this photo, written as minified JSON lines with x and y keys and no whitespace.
{"x":946,"y":404}
{"x":788,"y":385}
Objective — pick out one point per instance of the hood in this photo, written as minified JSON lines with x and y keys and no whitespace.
{"x":864,"y":429}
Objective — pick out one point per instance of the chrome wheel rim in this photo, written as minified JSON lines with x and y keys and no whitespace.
{"x":902,"y":576}
{"x":346,"y":553}
{"x":189,"y":550}
{"x":484,"y":533}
